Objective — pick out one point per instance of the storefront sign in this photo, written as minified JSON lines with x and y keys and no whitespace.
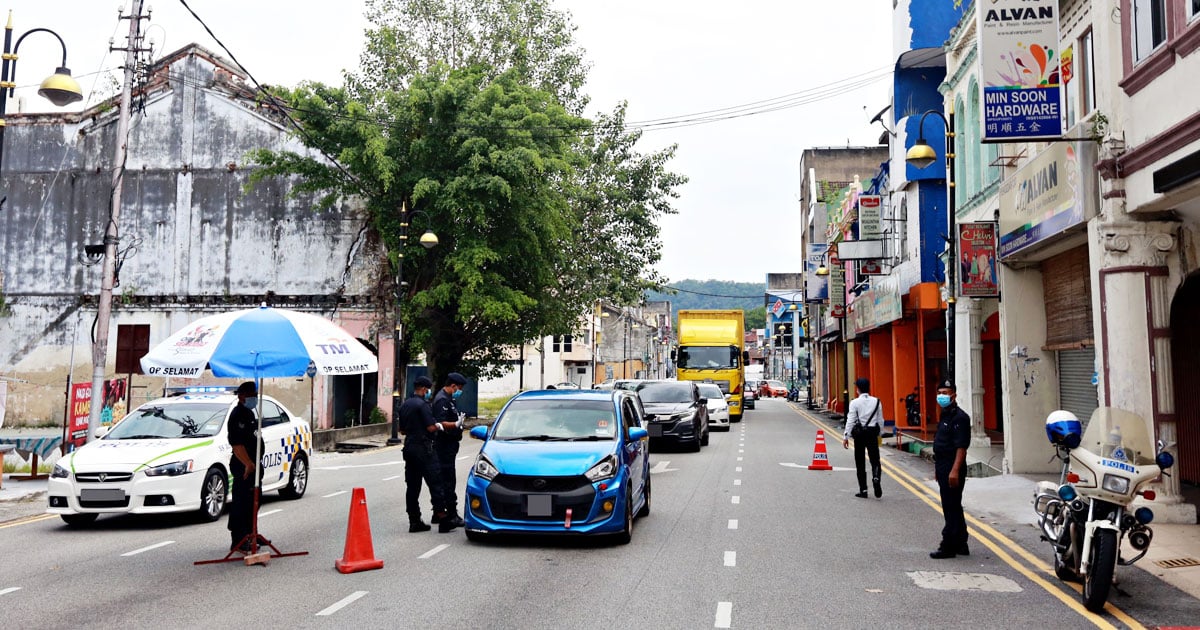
{"x":870,"y":268}
{"x":870,"y":217}
{"x":837,"y":288}
{"x":977,"y":260}
{"x":1042,"y":199}
{"x":1018,"y":51}
{"x":113,"y":410}
{"x":816,"y":288}
{"x":878,"y":306}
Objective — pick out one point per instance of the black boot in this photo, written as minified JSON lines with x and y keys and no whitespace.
{"x":416,"y":525}
{"x":878,"y":488}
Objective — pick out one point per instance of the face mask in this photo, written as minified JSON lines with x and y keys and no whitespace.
{"x":251,"y":402}
{"x":457,"y":393}
{"x":943,"y":400}
{"x":428,"y":395}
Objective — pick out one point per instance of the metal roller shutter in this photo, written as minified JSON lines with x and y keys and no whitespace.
{"x":1075,"y":390}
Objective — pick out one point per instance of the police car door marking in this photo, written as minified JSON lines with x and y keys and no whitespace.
{"x":168,"y":453}
{"x":154,"y":546}
{"x":346,"y":601}
{"x":432,"y":552}
{"x":335,"y":494}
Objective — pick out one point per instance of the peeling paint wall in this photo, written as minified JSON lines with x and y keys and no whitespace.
{"x":191,"y":228}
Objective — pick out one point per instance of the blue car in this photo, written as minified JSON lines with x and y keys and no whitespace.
{"x":569,"y":462}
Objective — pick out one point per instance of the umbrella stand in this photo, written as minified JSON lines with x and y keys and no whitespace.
{"x":255,"y":556}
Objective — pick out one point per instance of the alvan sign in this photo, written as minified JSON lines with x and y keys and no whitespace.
{"x":1019,"y":56}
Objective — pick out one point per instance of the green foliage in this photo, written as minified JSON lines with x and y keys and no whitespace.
{"x":717,"y":294}
{"x":464,"y":118}
{"x":490,"y":407}
{"x":376,"y":416}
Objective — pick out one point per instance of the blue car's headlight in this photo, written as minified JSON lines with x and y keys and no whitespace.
{"x":604,"y":469}
{"x":174,"y":469}
{"x":483,"y":468}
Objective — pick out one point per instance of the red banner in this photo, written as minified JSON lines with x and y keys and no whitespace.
{"x":112,"y":411}
{"x":977,"y":260}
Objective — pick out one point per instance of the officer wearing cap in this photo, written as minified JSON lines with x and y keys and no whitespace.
{"x":950,"y":468}
{"x":420,"y":459}
{"x":446,"y":442}
{"x":245,"y":445}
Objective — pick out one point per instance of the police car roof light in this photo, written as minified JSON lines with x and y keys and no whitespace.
{"x":200,"y":389}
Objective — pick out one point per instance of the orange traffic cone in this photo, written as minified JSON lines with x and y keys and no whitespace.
{"x":360,"y":553}
{"x":820,"y":455}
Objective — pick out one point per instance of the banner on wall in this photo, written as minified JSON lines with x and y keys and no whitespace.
{"x":1042,"y":199}
{"x":1018,"y":51}
{"x":977,"y":260}
{"x":816,"y":288}
{"x":112,"y":411}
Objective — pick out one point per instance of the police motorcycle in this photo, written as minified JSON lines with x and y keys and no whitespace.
{"x":1088,"y":513}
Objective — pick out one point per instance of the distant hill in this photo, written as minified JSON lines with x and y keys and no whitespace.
{"x":708,"y":294}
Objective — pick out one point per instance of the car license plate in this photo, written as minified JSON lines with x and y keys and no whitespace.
{"x":538,"y":505}
{"x":101,"y":494}
{"x":655,"y":430}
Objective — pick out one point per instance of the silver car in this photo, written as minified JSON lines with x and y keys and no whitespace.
{"x":718,"y":406}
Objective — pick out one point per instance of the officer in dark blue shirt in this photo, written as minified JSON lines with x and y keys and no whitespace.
{"x":420,"y":460}
{"x":245,"y":445}
{"x":446,"y":445}
{"x":950,"y":468}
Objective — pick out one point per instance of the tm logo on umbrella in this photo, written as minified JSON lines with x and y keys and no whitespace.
{"x":338,"y":347}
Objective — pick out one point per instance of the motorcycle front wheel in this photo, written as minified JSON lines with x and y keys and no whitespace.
{"x":1099,"y":576}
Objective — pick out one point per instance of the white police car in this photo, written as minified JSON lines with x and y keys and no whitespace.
{"x":172,"y":455}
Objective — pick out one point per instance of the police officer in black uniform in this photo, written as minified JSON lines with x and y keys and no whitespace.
{"x":246,"y":445}
{"x":950,"y":468}
{"x":420,"y":460}
{"x":446,"y":445}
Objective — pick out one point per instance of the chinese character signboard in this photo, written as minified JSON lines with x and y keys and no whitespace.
{"x":837,"y":286}
{"x":1018,"y":50}
{"x":977,"y":260}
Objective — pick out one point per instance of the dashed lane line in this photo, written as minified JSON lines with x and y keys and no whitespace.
{"x":346,"y":601}
{"x":145,"y":549}
{"x":269,"y":512}
{"x":334,"y":494}
{"x":392,"y":477}
{"x":731,"y":558}
{"x":432,"y":552}
{"x":736,"y":499}
{"x":733,"y":523}
{"x":724,"y":618}
{"x":11,"y":589}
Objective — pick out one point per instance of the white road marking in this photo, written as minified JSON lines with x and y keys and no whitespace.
{"x":392,"y":477}
{"x":154,"y":546}
{"x":805,"y":467}
{"x":432,"y":552}
{"x":349,"y":599}
{"x":733,"y":523}
{"x":269,"y":512}
{"x":731,"y":558}
{"x":741,"y":450}
{"x":736,"y":499}
{"x":954,"y":581}
{"x":11,"y":589}
{"x":737,"y":482}
{"x":461,"y":457}
{"x":661,"y":467}
{"x":724,"y":615}
{"x":334,"y":494}
{"x":737,"y":469}
{"x":740,"y":459}
{"x":349,"y":466}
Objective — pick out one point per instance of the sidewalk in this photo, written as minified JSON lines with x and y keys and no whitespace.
{"x":1009,"y":498}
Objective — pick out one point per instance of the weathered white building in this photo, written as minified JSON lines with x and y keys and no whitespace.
{"x":195,"y":237}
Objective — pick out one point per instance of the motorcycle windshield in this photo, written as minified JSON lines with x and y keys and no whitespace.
{"x":1119,"y":435}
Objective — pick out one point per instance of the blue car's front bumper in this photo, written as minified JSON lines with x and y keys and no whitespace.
{"x":503,"y":506}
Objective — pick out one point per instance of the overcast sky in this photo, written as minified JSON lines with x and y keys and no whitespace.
{"x":739,"y":214}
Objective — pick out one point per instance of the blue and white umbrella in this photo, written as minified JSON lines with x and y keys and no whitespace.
{"x":259,"y":342}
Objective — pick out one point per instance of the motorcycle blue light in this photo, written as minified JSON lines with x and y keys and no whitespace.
{"x":1066,"y":492}
{"x":1165,"y":460}
{"x":1144,"y":515}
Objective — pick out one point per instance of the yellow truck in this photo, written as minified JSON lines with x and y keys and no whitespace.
{"x":711,"y":349}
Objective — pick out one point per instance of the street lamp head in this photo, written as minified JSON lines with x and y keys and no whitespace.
{"x":793,"y":307}
{"x":61,"y":88}
{"x":429,"y":240}
{"x":921,"y":154}
{"x":822,"y":270}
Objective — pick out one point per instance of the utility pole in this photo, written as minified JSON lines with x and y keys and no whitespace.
{"x":104,"y":307}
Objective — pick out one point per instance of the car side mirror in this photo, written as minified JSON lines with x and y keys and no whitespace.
{"x":637,"y":434}
{"x":479,"y":432}
{"x":703,"y":401}
{"x":102,"y":431}
{"x":728,"y":396}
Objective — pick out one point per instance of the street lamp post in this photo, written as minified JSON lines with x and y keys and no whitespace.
{"x":921,"y":155}
{"x":428,"y":241}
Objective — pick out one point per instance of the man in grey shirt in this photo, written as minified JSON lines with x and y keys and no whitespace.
{"x":864,"y":420}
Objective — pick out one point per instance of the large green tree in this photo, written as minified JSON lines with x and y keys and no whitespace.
{"x":539,"y":211}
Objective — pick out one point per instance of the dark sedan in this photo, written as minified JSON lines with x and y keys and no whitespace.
{"x":675,"y":412}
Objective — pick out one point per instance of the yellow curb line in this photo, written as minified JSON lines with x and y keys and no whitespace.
{"x":924,"y":493}
{"x":26,"y":520}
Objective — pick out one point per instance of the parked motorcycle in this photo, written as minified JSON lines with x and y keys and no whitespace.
{"x":1086,"y":516}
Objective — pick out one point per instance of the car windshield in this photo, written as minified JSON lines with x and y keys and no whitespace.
{"x":557,"y":420}
{"x":707,"y":357}
{"x":183,"y":420}
{"x":711,"y":392}
{"x":665,"y":392}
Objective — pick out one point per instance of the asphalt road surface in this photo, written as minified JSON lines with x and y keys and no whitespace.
{"x":740,"y":535}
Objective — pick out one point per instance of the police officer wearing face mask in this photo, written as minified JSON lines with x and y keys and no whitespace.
{"x":420,"y":460}
{"x":446,"y":442}
{"x":246,"y":444}
{"x":950,"y":467}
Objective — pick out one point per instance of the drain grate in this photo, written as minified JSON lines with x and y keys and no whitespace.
{"x":1178,"y":563}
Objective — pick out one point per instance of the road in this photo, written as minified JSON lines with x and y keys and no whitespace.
{"x":741,"y":535}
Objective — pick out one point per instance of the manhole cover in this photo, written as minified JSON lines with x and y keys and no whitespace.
{"x":1178,"y":563}
{"x":952,"y":581}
